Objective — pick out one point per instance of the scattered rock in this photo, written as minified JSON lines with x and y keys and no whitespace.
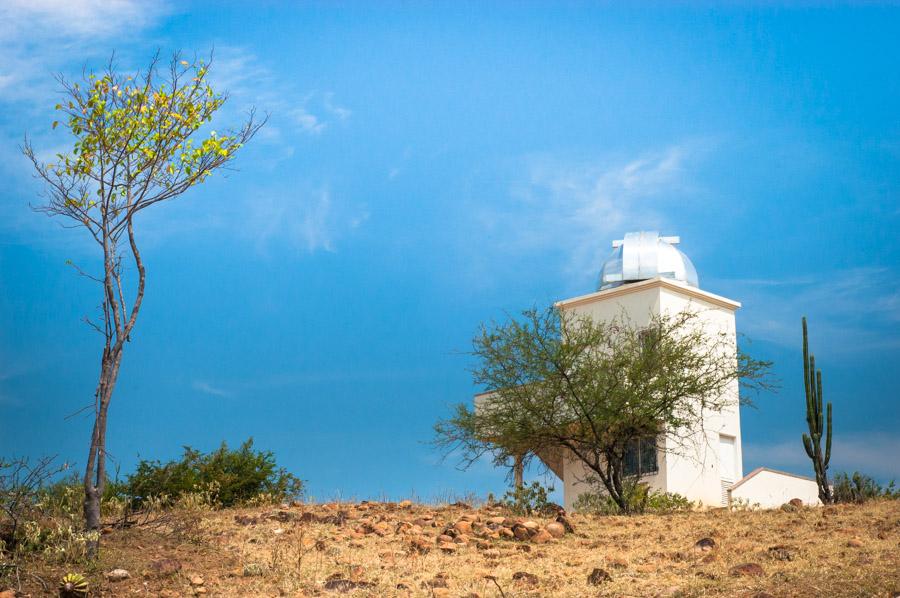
{"x":782,"y":553}
{"x":556,"y":529}
{"x":521,"y":532}
{"x":439,"y":581}
{"x":796,"y":502}
{"x":705,"y":544}
{"x":747,"y":569}
{"x":561,"y":518}
{"x":440,"y":592}
{"x":405,"y":504}
{"x":282,"y":516}
{"x":342,"y":585}
{"x":165,"y":567}
{"x":617,"y":563}
{"x":763,"y":595}
{"x":463,"y":527}
{"x":855,"y":543}
{"x":419,"y":545}
{"x":444,"y":538}
{"x":196,"y":580}
{"x":598,"y":576}
{"x":525,"y":578}
{"x":246,"y":520}
{"x":789,"y":508}
{"x":117,"y":575}
{"x":542,"y":537}
{"x":7,"y":594}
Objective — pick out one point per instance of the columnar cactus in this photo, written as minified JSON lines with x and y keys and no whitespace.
{"x":819,"y":423}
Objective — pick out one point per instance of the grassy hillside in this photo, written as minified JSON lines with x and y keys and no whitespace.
{"x":388,"y":549}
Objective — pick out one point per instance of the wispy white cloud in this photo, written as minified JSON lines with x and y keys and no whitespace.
{"x":308,"y":123}
{"x":856,"y":309}
{"x":208,"y":389}
{"x":874,"y":454}
{"x":39,"y":37}
{"x":340,"y":112}
{"x":577,"y":207}
{"x":309,"y":221}
{"x":250,"y":82}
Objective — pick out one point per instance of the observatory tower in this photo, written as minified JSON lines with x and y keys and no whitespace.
{"x":647,"y":275}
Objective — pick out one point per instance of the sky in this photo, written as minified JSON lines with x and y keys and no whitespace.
{"x":430,"y":166}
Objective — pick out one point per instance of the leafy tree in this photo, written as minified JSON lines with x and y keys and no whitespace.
{"x":595,"y":388}
{"x":139,"y":141}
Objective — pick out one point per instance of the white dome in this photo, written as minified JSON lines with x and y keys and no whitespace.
{"x":645,"y":255}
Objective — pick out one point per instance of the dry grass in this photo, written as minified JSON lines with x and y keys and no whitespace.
{"x":295,"y":551}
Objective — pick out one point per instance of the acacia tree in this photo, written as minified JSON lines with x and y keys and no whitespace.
{"x":139,"y":141}
{"x":593,"y":388}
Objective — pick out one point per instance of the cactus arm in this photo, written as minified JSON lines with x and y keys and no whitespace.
{"x":828,"y":437}
{"x":807,"y":444}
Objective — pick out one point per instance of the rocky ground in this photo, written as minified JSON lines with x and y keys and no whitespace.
{"x":405,"y":549}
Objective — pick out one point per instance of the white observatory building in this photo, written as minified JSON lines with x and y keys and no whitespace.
{"x":648,"y":275}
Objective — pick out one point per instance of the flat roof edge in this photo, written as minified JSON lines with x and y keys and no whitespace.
{"x":634,"y":287}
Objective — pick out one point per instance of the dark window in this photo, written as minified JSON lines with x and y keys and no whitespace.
{"x":640,"y":457}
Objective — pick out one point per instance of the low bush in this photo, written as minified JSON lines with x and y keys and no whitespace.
{"x":641,"y":499}
{"x":225,"y":477}
{"x":528,"y":500}
{"x":859,"y":488}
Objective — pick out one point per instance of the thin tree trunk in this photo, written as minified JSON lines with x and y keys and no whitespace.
{"x":519,"y":472}
{"x":95,"y":472}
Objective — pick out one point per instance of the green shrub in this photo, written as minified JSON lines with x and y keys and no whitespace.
{"x":228,"y":477}
{"x":640,"y":497}
{"x":858,"y":488}
{"x":529,"y":499}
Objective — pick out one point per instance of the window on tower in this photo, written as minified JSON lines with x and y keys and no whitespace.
{"x":640,"y":457}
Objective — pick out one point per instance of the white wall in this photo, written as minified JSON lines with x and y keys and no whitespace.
{"x":770,"y":489}
{"x":691,"y":469}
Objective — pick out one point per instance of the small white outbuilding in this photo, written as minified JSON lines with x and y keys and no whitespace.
{"x":645,"y":276}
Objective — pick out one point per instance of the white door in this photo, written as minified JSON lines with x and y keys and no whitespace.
{"x":727,"y":465}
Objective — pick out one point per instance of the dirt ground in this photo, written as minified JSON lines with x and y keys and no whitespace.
{"x":404,"y":549}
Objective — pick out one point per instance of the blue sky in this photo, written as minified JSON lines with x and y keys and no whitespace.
{"x":429,"y":167}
